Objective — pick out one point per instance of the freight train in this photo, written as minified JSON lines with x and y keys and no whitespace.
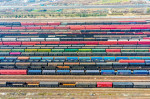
{"x":77,"y":84}
{"x":73,"y":72}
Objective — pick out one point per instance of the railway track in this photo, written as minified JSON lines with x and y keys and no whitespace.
{"x":73,"y":19}
{"x":74,"y":78}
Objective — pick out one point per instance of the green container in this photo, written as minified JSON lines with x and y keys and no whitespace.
{"x":44,"y":50}
{"x":141,"y":50}
{"x":85,"y":50}
{"x":5,"y":50}
{"x":17,"y":50}
{"x":98,"y":50}
{"x":127,"y":50}
{"x":31,"y":50}
{"x":58,"y":50}
{"x":71,"y":50}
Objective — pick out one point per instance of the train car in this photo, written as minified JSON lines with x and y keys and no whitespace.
{"x":15,"y":84}
{"x":107,"y":72}
{"x":122,"y":85}
{"x":67,"y":84}
{"x":63,"y":72}
{"x":141,"y":84}
{"x":104,"y":84}
{"x":85,"y":84}
{"x":77,"y":72}
{"x":49,"y":84}
{"x":123,"y":72}
{"x":140,"y":72}
{"x":34,"y":72}
{"x":92,"y":72}
{"x":48,"y":72}
{"x":33,"y":84}
{"x":13,"y":72}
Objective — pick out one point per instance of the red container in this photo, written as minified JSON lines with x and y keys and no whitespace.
{"x":5,"y":28}
{"x":18,"y":28}
{"x":139,"y":33}
{"x":108,"y":27}
{"x":23,"y":23}
{"x":90,"y":27}
{"x":69,"y":42}
{"x":138,"y":27}
{"x":33,"y":28}
{"x":30,"y":43}
{"x":113,"y":50}
{"x":62,"y":28}
{"x":146,"y":33}
{"x":127,"y":42}
{"x":144,"y":42}
{"x":40,"y":24}
{"x":89,"y":42}
{"x":47,"y":28}
{"x":11,"y":43}
{"x":50,"y":42}
{"x":13,"y":72}
{"x":146,"y":38}
{"x":107,"y":42}
{"x":104,"y":84}
{"x":54,"y":23}
{"x":76,"y":27}
{"x":1,"y":43}
{"x":131,"y":61}
{"x":123,"y":27}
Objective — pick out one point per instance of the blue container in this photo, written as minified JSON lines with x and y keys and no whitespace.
{"x":38,"y":58}
{"x":148,"y":58}
{"x":9,"y":58}
{"x":60,"y":58}
{"x":140,"y":72}
{"x":133,"y":22}
{"x":84,"y":58}
{"x":92,"y":72}
{"x":79,"y":72}
{"x":124,"y":72}
{"x":107,"y":72}
{"x":72,"y":58}
{"x":137,"y":64}
{"x":145,"y":30}
{"x":34,"y":72}
{"x":119,"y":58}
{"x":96,"y":58}
{"x":47,"y":58}
{"x":147,"y":61}
{"x":135,"y":58}
{"x":63,"y":71}
{"x":109,"y":58}
{"x":1,"y":58}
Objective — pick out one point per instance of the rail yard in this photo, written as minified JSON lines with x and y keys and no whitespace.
{"x":74,"y":49}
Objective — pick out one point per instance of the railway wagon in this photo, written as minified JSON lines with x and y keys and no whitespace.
{"x":49,"y":84}
{"x":77,"y":84}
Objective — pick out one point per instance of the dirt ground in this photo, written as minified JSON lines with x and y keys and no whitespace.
{"x":74,"y":93}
